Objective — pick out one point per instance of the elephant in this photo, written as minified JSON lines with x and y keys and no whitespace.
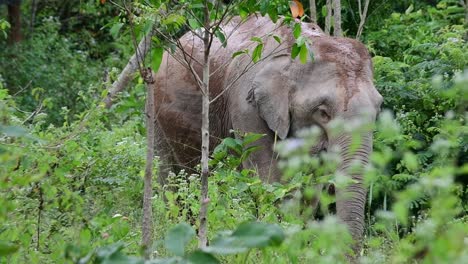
{"x":277,"y":96}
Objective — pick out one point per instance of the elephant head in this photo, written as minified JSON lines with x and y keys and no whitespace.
{"x":338,"y":84}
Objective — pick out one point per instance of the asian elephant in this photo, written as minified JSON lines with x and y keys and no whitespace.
{"x":277,"y":96}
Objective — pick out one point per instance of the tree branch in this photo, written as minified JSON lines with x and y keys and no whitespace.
{"x":362,"y":15}
{"x":245,"y":70}
{"x":127,"y":73}
{"x":147,"y":223}
{"x":337,"y":18}
{"x":228,"y":37}
{"x":328,"y":17}
{"x":192,"y":70}
{"x":313,"y":11}
{"x":205,"y":171}
{"x":178,"y":45}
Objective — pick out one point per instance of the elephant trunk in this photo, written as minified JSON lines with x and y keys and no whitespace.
{"x":351,"y":198}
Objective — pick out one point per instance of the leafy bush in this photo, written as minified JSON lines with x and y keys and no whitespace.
{"x":72,"y":191}
{"x":45,"y":72}
{"x":410,"y":49}
{"x":70,"y":183}
{"x":4,"y":25}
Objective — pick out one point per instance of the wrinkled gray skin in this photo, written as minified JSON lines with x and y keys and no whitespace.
{"x":278,"y":96}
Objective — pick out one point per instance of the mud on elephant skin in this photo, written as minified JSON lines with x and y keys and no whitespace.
{"x":277,"y":96}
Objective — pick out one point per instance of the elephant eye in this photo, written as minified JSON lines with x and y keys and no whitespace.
{"x":321,"y":114}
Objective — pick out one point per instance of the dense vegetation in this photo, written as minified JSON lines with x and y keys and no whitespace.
{"x":71,"y":170}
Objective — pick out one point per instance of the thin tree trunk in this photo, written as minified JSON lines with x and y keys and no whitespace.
{"x":127,"y":73}
{"x":33,"y":15}
{"x":362,"y":15}
{"x":14,"y":18}
{"x":147,"y":225}
{"x":39,"y":214}
{"x":204,"y":200}
{"x":465,"y":5}
{"x":328,"y":17}
{"x":337,"y":18}
{"x":313,"y":11}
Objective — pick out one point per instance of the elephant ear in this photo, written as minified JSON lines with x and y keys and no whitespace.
{"x":270,"y":93}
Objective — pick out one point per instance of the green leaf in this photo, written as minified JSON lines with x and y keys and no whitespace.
{"x":243,"y":12}
{"x":263,"y":7}
{"x":257,"y":53}
{"x":324,"y":10}
{"x":157,"y":58}
{"x":115,"y":29}
{"x":3,"y":92}
{"x":197,"y":6}
{"x":104,"y":93}
{"x":233,"y":144}
{"x":112,"y":254}
{"x":194,"y":23}
{"x":220,"y":35}
{"x":107,"y":251}
{"x":7,"y":248}
{"x":240,"y":52}
{"x":147,"y":27}
{"x":257,"y":39}
{"x":273,"y":13}
{"x":220,"y":152}
{"x":411,"y":161}
{"x":178,"y":237}
{"x":247,"y":236}
{"x":259,"y":235}
{"x":297,"y":30}
{"x":300,"y":41}
{"x":120,"y":258}
{"x":174,"y":20}
{"x":13,"y":131}
{"x":225,"y":246}
{"x":278,"y":39}
{"x":401,"y":212}
{"x":409,"y":10}
{"x":172,"y":260}
{"x":200,"y":257}
{"x":295,"y":51}
{"x":303,"y":54}
{"x":246,"y":153}
{"x":251,"y":137}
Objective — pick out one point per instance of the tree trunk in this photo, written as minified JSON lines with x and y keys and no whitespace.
{"x":466,"y":11}
{"x":204,"y":200}
{"x":33,"y":15}
{"x":313,"y":11}
{"x":362,"y":15}
{"x":337,"y":18}
{"x":147,"y":225}
{"x":328,"y":17}
{"x":127,"y":73}
{"x":14,"y":18}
